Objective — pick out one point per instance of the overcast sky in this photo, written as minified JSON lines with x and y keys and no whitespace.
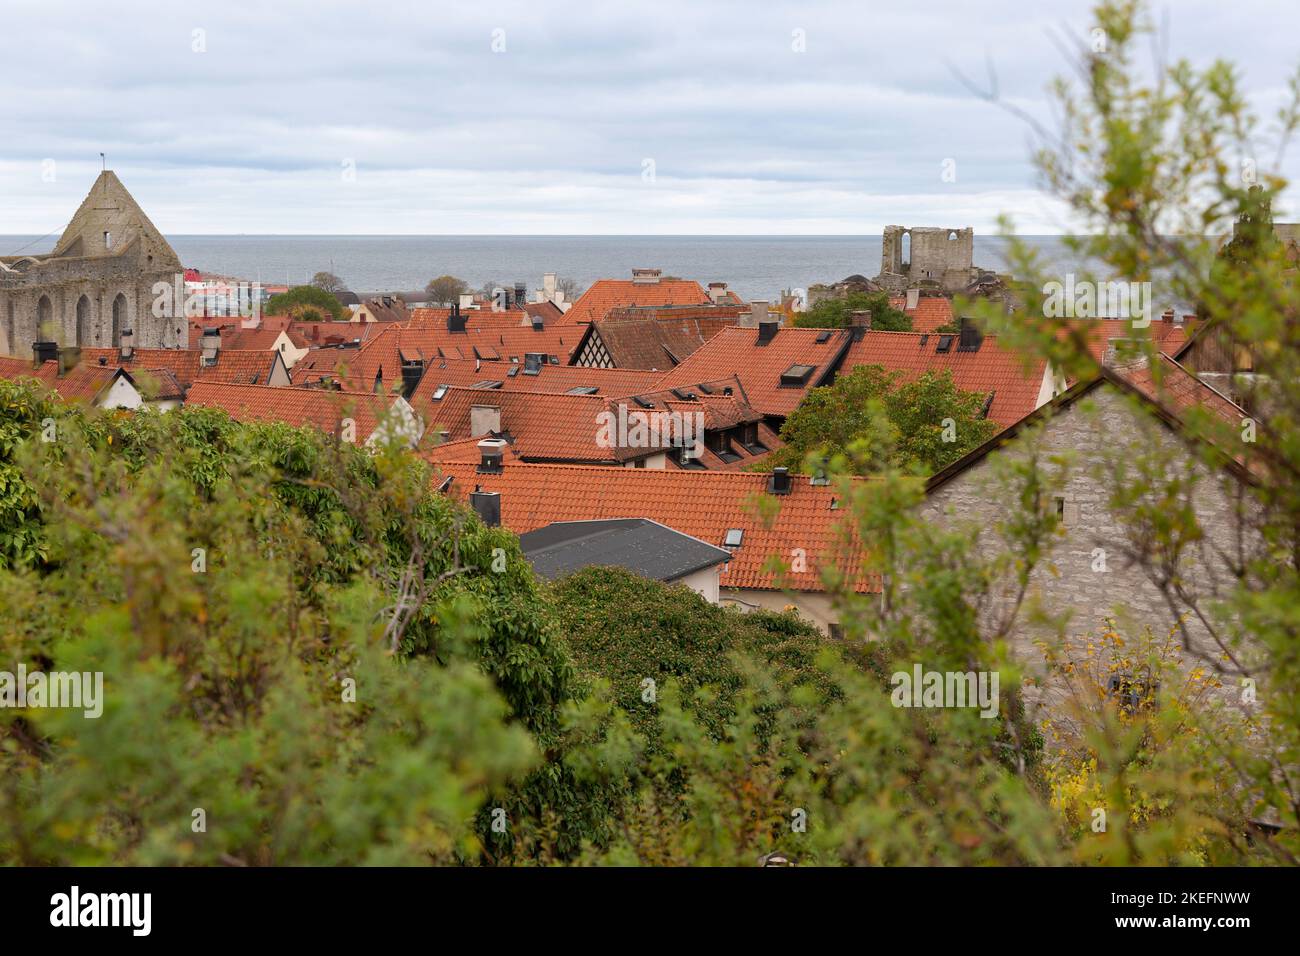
{"x":672,"y":116}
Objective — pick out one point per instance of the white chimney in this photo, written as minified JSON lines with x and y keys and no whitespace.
{"x":913,"y":297}
{"x":484,"y":419}
{"x":548,"y":287}
{"x":646,"y":276}
{"x":717,"y":291}
{"x":466,"y":300}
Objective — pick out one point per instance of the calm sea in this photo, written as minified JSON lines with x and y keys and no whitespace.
{"x":756,"y":267}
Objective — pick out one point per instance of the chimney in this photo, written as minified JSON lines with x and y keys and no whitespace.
{"x":780,"y":481}
{"x":487,"y":505}
{"x":455,"y":321}
{"x":969,"y":336}
{"x":466,"y":300}
{"x":484,"y":420}
{"x":126,"y":340}
{"x":913,"y":299}
{"x":717,"y":290}
{"x":69,"y":356}
{"x":1167,"y":316}
{"x":767,"y":331}
{"x":756,"y":316}
{"x":859,"y":323}
{"x":412,"y":372}
{"x":548,"y":286}
{"x":211,"y":345}
{"x":521,"y":294}
{"x":646,"y":276}
{"x":492,"y":453}
{"x":43,"y":352}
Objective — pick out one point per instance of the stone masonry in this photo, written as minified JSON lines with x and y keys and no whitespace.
{"x":1102,"y":427}
{"x":96,"y":283}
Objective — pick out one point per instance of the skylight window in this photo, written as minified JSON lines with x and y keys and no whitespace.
{"x":439,"y":392}
{"x":733,"y":538}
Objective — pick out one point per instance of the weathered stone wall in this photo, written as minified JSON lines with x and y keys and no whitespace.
{"x":1098,"y":431}
{"x":63,"y":284}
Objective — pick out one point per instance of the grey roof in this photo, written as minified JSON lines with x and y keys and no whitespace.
{"x":643,"y":546}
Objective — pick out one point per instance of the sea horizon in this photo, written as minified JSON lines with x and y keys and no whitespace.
{"x":754,"y":266}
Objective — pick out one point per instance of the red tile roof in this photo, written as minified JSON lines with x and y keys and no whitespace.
{"x":380,"y":358}
{"x":658,"y":337}
{"x":736,"y":352}
{"x":608,"y":382}
{"x":931,"y":312}
{"x":436,"y":317}
{"x":1014,"y":380}
{"x":1166,"y":336}
{"x":1177,"y":390}
{"x":246,"y":340}
{"x":323,"y":408}
{"x":232,"y":365}
{"x":15,"y":368}
{"x":703,"y":504}
{"x":607,"y":294}
{"x":83,"y":382}
{"x":541,"y":426}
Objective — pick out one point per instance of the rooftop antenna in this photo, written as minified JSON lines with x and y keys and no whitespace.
{"x":103,"y":163}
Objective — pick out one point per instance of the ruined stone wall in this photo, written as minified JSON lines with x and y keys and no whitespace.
{"x":943,"y":256}
{"x":64,"y":284}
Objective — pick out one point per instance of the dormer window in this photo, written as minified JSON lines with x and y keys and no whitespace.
{"x":796,"y":376}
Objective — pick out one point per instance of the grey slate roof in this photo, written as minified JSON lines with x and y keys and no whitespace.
{"x":640,"y":545}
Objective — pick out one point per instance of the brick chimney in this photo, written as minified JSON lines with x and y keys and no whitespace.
{"x":859,"y":323}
